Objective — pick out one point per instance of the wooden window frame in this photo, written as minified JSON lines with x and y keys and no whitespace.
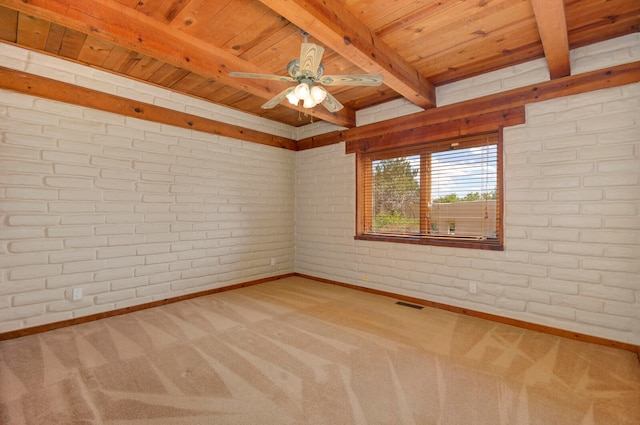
{"x":364,"y":205}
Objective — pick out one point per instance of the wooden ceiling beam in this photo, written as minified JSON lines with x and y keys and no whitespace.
{"x":330,"y":22}
{"x":126,"y":27}
{"x":552,"y":25}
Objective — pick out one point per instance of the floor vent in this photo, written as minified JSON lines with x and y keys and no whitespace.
{"x":416,"y":306}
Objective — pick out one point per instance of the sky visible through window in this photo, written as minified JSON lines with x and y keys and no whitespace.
{"x":461,"y":171}
{"x":464,"y":171}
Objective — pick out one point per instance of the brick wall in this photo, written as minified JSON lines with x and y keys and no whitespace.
{"x":572,"y":257}
{"x":130,"y":211}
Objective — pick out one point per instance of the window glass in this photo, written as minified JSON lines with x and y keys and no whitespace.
{"x":439,"y":191}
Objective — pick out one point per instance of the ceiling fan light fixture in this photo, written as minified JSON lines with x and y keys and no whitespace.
{"x":292,"y":98}
{"x":309,"y":102}
{"x":309,"y":94}
{"x":318,"y":94}
{"x":302,"y":91}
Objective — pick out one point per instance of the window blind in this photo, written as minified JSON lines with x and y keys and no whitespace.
{"x":449,"y":189}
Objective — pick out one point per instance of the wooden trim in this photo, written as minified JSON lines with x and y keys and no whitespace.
{"x":76,"y":321}
{"x":487,"y":316}
{"x":47,"y":88}
{"x":460,"y":310}
{"x":364,"y":181}
{"x":566,"y":86}
{"x":411,"y":124}
{"x":431,"y":240}
{"x":561,"y":87}
{"x":363,"y":197}
{"x":321,"y":140}
{"x":450,"y":129}
{"x":501,"y":189}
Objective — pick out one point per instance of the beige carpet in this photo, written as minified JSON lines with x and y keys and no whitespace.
{"x":295,"y":351}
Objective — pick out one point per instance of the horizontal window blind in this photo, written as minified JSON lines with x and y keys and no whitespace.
{"x":463,"y":201}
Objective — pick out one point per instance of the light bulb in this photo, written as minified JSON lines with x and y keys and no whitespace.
{"x":302,"y":91}
{"x":318,"y":94}
{"x":309,"y":102}
{"x":292,"y":98}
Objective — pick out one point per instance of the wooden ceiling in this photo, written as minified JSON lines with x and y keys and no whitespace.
{"x":190,"y":46}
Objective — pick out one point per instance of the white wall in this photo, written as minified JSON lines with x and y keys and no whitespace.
{"x":128,"y":210}
{"x":133,"y":211}
{"x":572,"y":246}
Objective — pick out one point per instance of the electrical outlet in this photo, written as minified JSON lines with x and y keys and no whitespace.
{"x":76,"y":294}
{"x":365,"y":277}
{"x":473,"y":287}
{"x":273,"y":261}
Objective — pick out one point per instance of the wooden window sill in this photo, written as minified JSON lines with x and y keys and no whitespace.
{"x":484,"y":244}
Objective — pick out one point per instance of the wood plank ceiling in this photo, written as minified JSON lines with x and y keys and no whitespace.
{"x":190,"y":46}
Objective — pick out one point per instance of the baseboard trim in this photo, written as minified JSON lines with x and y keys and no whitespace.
{"x":84,"y":319}
{"x":487,"y":316}
{"x":473,"y":313}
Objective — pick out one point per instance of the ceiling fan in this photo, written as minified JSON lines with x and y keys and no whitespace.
{"x":306,"y":71}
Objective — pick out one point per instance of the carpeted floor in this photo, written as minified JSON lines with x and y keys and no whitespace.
{"x":296,"y":351}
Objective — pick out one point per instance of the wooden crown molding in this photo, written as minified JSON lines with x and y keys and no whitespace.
{"x":47,"y":88}
{"x":477,"y":115}
{"x":450,"y":129}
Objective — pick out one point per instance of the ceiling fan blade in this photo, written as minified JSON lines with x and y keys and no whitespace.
{"x":351,"y":80}
{"x":310,"y":58}
{"x":277,"y":98}
{"x":331,"y":103}
{"x":262,"y":76}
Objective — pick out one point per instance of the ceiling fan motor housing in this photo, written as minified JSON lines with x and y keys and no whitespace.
{"x":293,"y":69}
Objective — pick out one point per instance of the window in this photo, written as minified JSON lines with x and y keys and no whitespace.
{"x":441,"y":193}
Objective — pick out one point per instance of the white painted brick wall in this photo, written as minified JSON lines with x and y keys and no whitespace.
{"x":393,"y":109}
{"x":572,"y":257}
{"x":153,"y":211}
{"x":493,"y":82}
{"x":610,"y":53}
{"x":129,"y":212}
